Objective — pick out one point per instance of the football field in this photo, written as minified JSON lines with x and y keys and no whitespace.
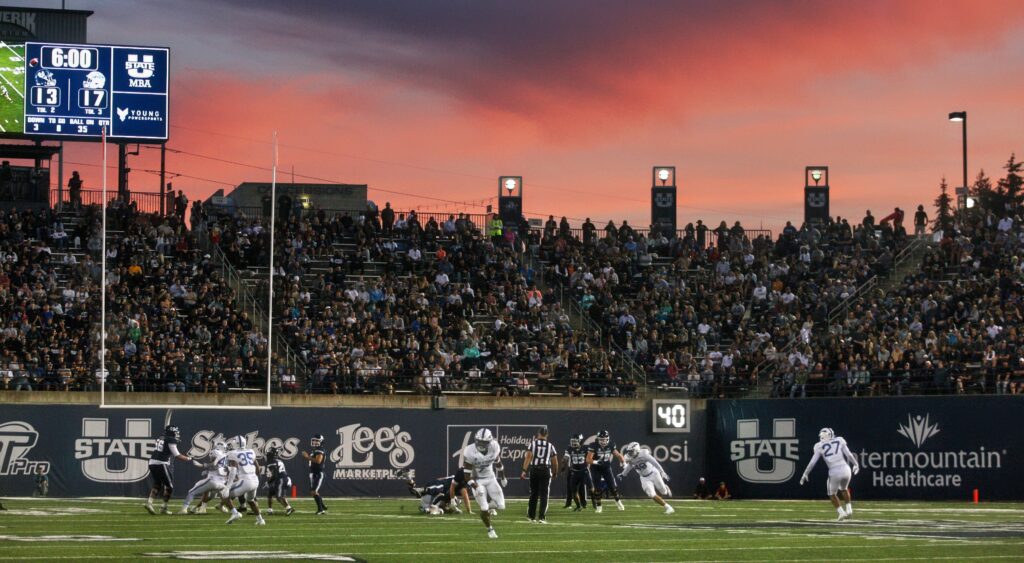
{"x":12,"y":80}
{"x":393,"y":530}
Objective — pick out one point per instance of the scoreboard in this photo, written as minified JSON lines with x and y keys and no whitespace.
{"x":76,"y":90}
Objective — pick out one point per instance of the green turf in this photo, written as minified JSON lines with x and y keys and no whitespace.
{"x":392,"y":530}
{"x":12,"y":76}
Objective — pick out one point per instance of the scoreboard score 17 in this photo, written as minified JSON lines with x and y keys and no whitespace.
{"x":77,"y":90}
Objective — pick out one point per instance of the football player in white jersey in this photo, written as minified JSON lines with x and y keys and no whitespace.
{"x":841,"y":463}
{"x":652,"y":475}
{"x":480,"y":460}
{"x":215,"y":473}
{"x":243,"y":474}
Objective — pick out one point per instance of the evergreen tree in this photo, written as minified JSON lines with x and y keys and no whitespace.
{"x":1012,"y":186}
{"x":985,"y":194}
{"x":944,"y":210}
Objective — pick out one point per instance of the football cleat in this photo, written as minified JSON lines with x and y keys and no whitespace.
{"x":223,"y":509}
{"x":493,"y":511}
{"x":289,"y":511}
{"x":542,"y":521}
{"x":492,"y":534}
{"x":321,"y":512}
{"x":150,"y":509}
{"x":270,"y":511}
{"x":184,"y":511}
{"x":567,"y":505}
{"x":165,"y":510}
{"x":578,"y":509}
{"x":842,"y":516}
{"x":669,"y":510}
{"x":260,"y":521}
{"x":598,"y":508}
{"x":234,"y":516}
{"x":619,"y":505}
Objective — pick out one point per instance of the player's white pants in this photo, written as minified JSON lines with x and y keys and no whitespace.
{"x":489,"y":488}
{"x":246,"y":488}
{"x":654,"y":484}
{"x":838,"y":479}
{"x":206,"y":484}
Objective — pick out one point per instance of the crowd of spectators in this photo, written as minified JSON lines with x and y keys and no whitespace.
{"x":703,"y":311}
{"x":450,"y":309}
{"x":952,"y":327}
{"x":388,"y":302}
{"x":171,"y":320}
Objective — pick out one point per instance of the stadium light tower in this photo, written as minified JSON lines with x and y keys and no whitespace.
{"x":961,"y":116}
{"x":816,"y":197}
{"x":663,"y":200}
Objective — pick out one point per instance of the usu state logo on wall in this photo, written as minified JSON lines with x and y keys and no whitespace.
{"x":765,"y":459}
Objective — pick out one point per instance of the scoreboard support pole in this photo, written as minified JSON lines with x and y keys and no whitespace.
{"x":122,"y":178}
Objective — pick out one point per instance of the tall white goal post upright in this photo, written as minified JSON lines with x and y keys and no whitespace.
{"x":102,"y":376}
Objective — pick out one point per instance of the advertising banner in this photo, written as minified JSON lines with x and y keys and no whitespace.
{"x":88,"y":451}
{"x":926,"y":448}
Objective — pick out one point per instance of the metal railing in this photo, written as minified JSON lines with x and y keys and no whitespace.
{"x":147,"y":202}
{"x":255,"y":308}
{"x":623,"y":361}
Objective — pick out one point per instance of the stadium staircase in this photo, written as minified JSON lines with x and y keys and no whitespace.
{"x":581,"y":321}
{"x":906,"y":263}
{"x":246,"y":300}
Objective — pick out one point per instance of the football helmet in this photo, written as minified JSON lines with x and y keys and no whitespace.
{"x":576,"y":440}
{"x":94,"y":80}
{"x":220,"y":447}
{"x":45,"y":78}
{"x":603,"y":438}
{"x":316,"y":440}
{"x":271,"y":454}
{"x":826,"y":434}
{"x":631,"y":450}
{"x":171,"y":431}
{"x":483,"y":439}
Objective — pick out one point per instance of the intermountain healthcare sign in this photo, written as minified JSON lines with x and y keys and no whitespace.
{"x":907,"y":448}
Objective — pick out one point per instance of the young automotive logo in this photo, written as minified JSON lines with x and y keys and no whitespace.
{"x":115,"y":460}
{"x":17,"y":439}
{"x":367,"y":453}
{"x":918,"y":429}
{"x":750,"y":451}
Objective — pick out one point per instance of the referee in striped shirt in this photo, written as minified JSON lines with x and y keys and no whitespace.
{"x":540,"y":462}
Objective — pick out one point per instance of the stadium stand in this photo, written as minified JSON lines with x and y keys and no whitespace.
{"x":428,"y":304}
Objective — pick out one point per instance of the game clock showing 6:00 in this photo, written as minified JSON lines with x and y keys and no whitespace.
{"x":77,"y":90}
{"x":670,"y":415}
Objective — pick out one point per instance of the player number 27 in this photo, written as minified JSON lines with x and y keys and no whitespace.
{"x":831,"y":447}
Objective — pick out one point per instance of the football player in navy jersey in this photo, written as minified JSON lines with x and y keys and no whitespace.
{"x":164,"y":451}
{"x":316,"y":461}
{"x":599,"y":462}
{"x":579,"y":481}
{"x":278,"y":482}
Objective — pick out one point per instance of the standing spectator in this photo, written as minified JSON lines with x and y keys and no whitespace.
{"x":920,"y":221}
{"x":75,"y":190}
{"x":180,"y":206}
{"x":387,"y":218}
{"x":540,"y":463}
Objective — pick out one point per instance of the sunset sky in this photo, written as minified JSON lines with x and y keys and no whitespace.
{"x":581,"y":98}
